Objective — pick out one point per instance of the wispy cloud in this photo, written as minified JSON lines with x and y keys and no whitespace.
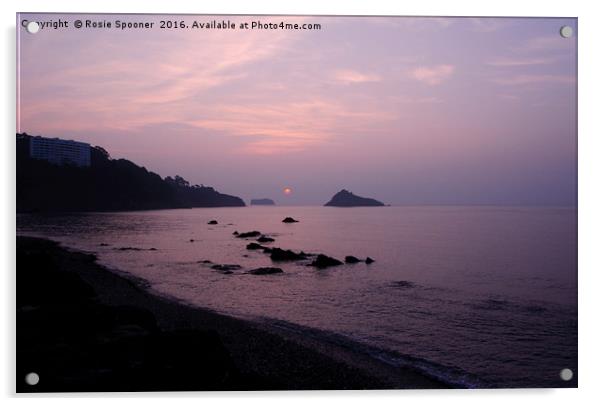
{"x":288,"y":127}
{"x":512,"y":62}
{"x":133,"y":89}
{"x":546,"y":44}
{"x":350,"y":76}
{"x":506,"y":96}
{"x":432,"y":75}
{"x":488,"y":24}
{"x":532,"y":79}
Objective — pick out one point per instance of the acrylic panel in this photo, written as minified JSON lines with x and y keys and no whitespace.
{"x":241,"y":202}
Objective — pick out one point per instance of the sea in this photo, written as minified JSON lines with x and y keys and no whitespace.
{"x":475,"y":296}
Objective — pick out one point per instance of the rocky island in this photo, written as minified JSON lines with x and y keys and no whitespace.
{"x":262,"y":202}
{"x":345,"y":198}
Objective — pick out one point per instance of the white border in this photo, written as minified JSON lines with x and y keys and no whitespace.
{"x":590,"y":195}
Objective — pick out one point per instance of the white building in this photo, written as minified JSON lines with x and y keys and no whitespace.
{"x":60,"y":152}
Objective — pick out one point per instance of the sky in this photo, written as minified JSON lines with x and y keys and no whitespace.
{"x":406,"y":110}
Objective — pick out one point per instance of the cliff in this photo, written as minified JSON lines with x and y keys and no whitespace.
{"x":106,"y":185}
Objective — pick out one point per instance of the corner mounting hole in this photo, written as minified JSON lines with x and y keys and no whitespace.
{"x":566,"y":374}
{"x":32,"y":378}
{"x":566,"y":31}
{"x":32,"y":27}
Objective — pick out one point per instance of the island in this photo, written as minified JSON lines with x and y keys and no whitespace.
{"x":262,"y":202}
{"x":345,"y":198}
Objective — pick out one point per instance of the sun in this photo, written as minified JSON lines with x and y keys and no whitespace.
{"x":287,"y":191}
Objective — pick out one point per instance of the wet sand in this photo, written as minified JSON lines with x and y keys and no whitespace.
{"x":83,"y":327}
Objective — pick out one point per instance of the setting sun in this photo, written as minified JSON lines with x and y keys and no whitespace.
{"x":287,"y":190}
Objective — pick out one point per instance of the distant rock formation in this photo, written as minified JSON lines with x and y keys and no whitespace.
{"x":347,"y":199}
{"x":290,"y":220}
{"x":262,"y":202}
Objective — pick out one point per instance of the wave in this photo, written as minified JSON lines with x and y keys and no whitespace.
{"x":451,"y":376}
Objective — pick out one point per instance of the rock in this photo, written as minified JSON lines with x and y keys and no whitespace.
{"x":278,"y":254}
{"x":212,"y":222}
{"x":350,"y":259}
{"x":226,"y":267}
{"x":369,"y":260}
{"x":205,"y":261}
{"x":254,"y":246}
{"x":323,"y":261}
{"x":262,"y":202}
{"x":264,"y":238}
{"x":104,"y":244}
{"x":403,"y":284}
{"x":249,"y":234}
{"x":135,"y":249}
{"x":235,"y":233}
{"x":290,"y":220}
{"x":192,"y":240}
{"x":347,"y":199}
{"x":265,"y":271}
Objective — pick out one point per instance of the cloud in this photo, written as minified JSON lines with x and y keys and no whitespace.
{"x":512,"y":62}
{"x":131,"y":82}
{"x":531,"y":79}
{"x":433,"y":75}
{"x":351,"y":76}
{"x":506,"y":96}
{"x":489,"y":24}
{"x":548,"y":43}
{"x":267,"y":128}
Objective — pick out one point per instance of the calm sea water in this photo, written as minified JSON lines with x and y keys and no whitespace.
{"x":477,"y":296}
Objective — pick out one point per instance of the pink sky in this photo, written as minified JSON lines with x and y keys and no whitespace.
{"x":405,"y":110}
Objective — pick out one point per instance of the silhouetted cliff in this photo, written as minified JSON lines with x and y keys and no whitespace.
{"x":347,"y":199}
{"x":106,"y":185}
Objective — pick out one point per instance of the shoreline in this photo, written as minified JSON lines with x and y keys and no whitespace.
{"x":128,"y":338}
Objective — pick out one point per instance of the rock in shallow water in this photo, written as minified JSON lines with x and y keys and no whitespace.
{"x":350,"y":259}
{"x":226,"y":267}
{"x":290,"y":220}
{"x":265,"y":271}
{"x":249,"y":234}
{"x":278,"y":254}
{"x":403,"y":284}
{"x":212,"y":222}
{"x":324,"y":261}
{"x":369,"y":260}
{"x":254,"y":246}
{"x":265,"y":238}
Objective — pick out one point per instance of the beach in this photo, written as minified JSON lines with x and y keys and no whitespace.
{"x":84,"y":327}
